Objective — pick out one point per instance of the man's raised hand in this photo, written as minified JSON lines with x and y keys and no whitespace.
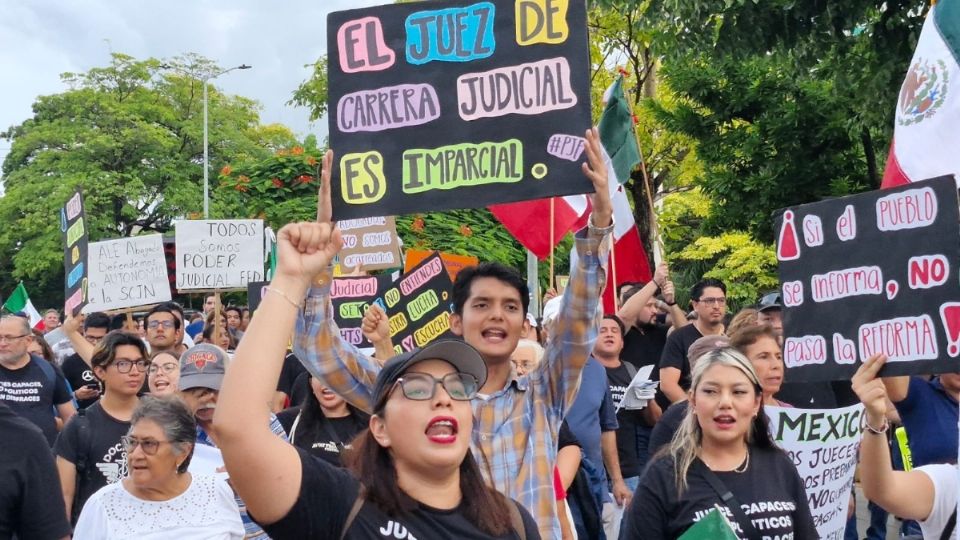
{"x":596,"y":170}
{"x":324,"y":207}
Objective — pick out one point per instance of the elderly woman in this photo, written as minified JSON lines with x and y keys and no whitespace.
{"x":760,"y":344}
{"x":159,"y":498}
{"x":163,"y":376}
{"x":722,"y":455}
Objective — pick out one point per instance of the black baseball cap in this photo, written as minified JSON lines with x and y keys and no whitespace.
{"x":770,"y":301}
{"x":463,"y":357}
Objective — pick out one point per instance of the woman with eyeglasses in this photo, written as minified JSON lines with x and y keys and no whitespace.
{"x":411,"y":473}
{"x":89,"y":452}
{"x":158,"y":498}
{"x":722,"y":456}
{"x":163,"y":376}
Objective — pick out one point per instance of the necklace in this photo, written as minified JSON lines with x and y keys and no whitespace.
{"x":743,"y":466}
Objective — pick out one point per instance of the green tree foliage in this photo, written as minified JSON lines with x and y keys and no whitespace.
{"x":130,"y":136}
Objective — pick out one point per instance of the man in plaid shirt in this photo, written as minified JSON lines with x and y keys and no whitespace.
{"x":517,"y":418}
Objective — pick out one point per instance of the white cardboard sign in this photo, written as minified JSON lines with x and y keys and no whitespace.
{"x":126,"y":272}
{"x":219,"y":254}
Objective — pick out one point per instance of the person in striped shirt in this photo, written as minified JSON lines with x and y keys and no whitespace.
{"x":517,"y":418}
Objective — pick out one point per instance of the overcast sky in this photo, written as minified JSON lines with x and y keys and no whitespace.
{"x":40,"y":39}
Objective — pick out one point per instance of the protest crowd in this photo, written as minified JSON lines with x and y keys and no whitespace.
{"x":442,"y":403}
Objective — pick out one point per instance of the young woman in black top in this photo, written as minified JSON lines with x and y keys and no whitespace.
{"x":412,"y":475}
{"x":723,"y":445}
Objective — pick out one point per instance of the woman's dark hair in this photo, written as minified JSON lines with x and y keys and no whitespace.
{"x":45,"y":349}
{"x":482,"y":506}
{"x":748,"y":335}
{"x":228,"y":309}
{"x":312,"y":419}
{"x":106,"y":352}
{"x":208,"y":336}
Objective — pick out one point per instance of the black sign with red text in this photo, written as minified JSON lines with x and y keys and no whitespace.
{"x":872,"y":273}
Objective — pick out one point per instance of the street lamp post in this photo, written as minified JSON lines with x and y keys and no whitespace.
{"x":206,"y":168}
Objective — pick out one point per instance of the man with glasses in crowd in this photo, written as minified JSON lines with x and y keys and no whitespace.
{"x":163,"y":329}
{"x":30,"y":385}
{"x":709,"y":299}
{"x":86,"y":388}
{"x":89,"y":452}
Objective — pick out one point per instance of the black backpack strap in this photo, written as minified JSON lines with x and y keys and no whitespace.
{"x":83,"y":443}
{"x":950,"y":526}
{"x":516,"y":519}
{"x":354,"y":510}
{"x":727,"y":497}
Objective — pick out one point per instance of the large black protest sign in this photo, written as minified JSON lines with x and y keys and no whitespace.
{"x":73,"y":228}
{"x":418,"y":304}
{"x":456,"y":104}
{"x":868,"y":274}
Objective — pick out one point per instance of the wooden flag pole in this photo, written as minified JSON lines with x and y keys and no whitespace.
{"x":552,"y":219}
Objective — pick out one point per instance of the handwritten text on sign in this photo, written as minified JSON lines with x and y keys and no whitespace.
{"x":127,"y":272}
{"x":435,"y":104}
{"x":417,"y":305}
{"x":823,"y":445}
{"x":869,"y":274}
{"x":370,"y":243}
{"x":219,"y":254}
{"x":74,"y":232}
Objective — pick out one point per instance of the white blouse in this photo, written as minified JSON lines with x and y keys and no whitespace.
{"x":206,"y":510}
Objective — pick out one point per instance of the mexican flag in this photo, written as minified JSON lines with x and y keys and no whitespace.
{"x":926,"y":137}
{"x":20,"y":301}
{"x":621,"y":154}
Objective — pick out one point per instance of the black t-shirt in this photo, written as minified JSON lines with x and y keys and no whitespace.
{"x":619,"y":379}
{"x":331,"y":436}
{"x":770,"y":493}
{"x":33,"y":392}
{"x":565,"y":436}
{"x":292,"y":368}
{"x":643,"y":346}
{"x":31,"y":503}
{"x":106,"y":460}
{"x":675,"y":352}
{"x":335,"y":490}
{"x":79,"y":374}
{"x":667,"y":427}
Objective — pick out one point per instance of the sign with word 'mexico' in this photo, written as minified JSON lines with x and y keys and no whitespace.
{"x":868,"y":274}
{"x":127,"y":272}
{"x":219,"y":254}
{"x":453,"y":263}
{"x":456,"y":104}
{"x":73,"y":226}
{"x":418,"y":305}
{"x":823,"y":444}
{"x":370,"y":243}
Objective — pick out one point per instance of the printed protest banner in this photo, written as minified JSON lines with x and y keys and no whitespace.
{"x":74,"y":232}
{"x":255,"y":292}
{"x":823,"y":444}
{"x":871,"y":273}
{"x":127,"y":272}
{"x":417,"y":304}
{"x":456,"y":104}
{"x":372,"y":243}
{"x":453,"y":263}
{"x":219,"y":254}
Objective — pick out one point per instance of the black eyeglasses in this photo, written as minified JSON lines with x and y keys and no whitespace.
{"x":150,"y":446}
{"x":421,"y":387}
{"x":124,"y":366}
{"x":11,"y":339}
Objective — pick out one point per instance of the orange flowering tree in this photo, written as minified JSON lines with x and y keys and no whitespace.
{"x":279,"y":189}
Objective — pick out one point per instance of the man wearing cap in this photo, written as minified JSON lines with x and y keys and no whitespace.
{"x":518,"y":418}
{"x":769,"y":312}
{"x":202,"y":369}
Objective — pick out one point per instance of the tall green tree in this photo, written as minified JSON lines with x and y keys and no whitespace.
{"x":130,"y":136}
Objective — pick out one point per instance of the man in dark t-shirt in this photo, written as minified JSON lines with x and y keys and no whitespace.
{"x":86,"y":388}
{"x":31,"y":505}
{"x":30,"y":385}
{"x":709,"y":298}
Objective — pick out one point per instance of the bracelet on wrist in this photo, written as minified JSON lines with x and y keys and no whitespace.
{"x":671,"y":304}
{"x":284,"y":295}
{"x":875,"y":431}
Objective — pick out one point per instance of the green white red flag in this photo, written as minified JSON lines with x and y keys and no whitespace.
{"x":19,"y":301}
{"x":926,"y":137}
